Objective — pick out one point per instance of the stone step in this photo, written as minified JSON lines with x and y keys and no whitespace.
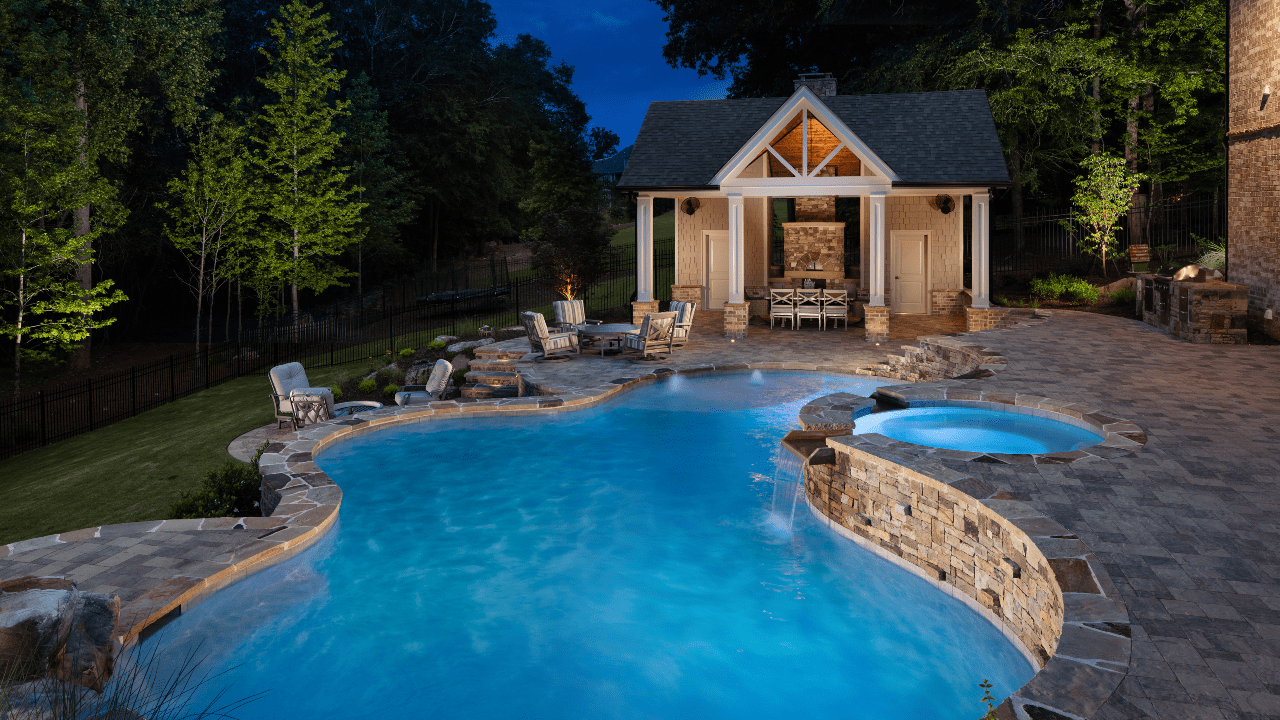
{"x":490,"y":391}
{"x":490,"y":352}
{"x":490,"y":377}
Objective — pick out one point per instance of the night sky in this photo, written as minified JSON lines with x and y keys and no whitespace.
{"x":615,"y":47}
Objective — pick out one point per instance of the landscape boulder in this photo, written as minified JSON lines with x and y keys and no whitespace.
{"x":48,"y":629}
{"x":460,"y":346}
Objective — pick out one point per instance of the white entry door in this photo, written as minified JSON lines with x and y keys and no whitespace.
{"x":717,"y":268}
{"x":909,"y":263}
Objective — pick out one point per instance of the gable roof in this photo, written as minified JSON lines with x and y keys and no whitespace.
{"x":933,"y":137}
{"x":613,"y":164}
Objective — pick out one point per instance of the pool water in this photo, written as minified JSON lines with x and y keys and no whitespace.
{"x":978,"y":430}
{"x":617,"y":562}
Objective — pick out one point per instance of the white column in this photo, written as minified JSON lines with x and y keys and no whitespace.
{"x":981,"y":261}
{"x":864,"y":241}
{"x":737,"y":249}
{"x":644,"y":249}
{"x":876,"y":259}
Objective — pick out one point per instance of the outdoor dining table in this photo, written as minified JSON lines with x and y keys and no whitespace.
{"x":608,"y":335}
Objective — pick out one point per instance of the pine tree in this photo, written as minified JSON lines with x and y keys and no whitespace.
{"x":308,"y":216}
{"x":43,"y":181}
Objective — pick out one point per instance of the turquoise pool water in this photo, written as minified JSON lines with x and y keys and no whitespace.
{"x":978,"y":430}
{"x":617,"y":562}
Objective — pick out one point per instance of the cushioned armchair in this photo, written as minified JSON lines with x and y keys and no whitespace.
{"x":570,"y":314}
{"x":434,"y":389}
{"x":684,"y":322}
{"x":295,"y":400}
{"x":548,"y":343}
{"x":654,"y":335}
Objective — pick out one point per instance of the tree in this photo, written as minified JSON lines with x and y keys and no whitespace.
{"x":560,"y":178}
{"x":1103,"y":194}
{"x":308,"y":216}
{"x":211,"y":198}
{"x":602,"y":143}
{"x":42,"y":183}
{"x":572,"y":250}
{"x":375,"y":177}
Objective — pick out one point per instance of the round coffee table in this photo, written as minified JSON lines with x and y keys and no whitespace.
{"x":608,"y":335}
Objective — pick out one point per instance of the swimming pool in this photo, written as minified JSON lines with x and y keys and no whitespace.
{"x":614,"y":562}
{"x":981,"y":430}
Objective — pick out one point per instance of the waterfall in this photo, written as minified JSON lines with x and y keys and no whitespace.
{"x":787,"y":478}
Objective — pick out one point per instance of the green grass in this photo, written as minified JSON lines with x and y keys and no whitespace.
{"x":134,"y":470}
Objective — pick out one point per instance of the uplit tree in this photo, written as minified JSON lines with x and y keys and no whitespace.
{"x":1103,"y":194}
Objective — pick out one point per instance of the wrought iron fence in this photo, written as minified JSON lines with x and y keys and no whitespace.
{"x":1050,"y":241}
{"x":42,"y":417}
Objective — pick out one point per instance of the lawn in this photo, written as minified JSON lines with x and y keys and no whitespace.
{"x":664,"y":226}
{"x":134,"y":470}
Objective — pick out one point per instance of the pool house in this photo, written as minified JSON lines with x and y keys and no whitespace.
{"x":886,"y":197}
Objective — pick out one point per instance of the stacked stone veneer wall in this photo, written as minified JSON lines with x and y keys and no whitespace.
{"x":806,"y":243}
{"x":1253,"y":148}
{"x":948,"y":534}
{"x":816,"y":209}
{"x":1202,"y":312}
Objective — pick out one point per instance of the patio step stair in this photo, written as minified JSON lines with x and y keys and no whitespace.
{"x":485,"y":383}
{"x":499,"y":352}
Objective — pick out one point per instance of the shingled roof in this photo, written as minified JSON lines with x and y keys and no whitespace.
{"x":933,"y":137}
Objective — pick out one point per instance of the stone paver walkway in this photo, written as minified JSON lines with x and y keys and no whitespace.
{"x":1187,"y":526}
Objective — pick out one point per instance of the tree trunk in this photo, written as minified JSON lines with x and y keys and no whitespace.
{"x":213,"y":294}
{"x":22,"y":305}
{"x":294,"y":286}
{"x":239,"y":310}
{"x":80,"y":359}
{"x":435,"y":235}
{"x":1015,"y":194}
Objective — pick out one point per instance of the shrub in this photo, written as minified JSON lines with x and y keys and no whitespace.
{"x":459,"y":377}
{"x":406,"y":353}
{"x":1124,"y":296}
{"x":368,"y":385}
{"x":1067,"y":287}
{"x":450,"y":355}
{"x":233,"y":490}
{"x":437,"y":345}
{"x":391,"y":389}
{"x":337,"y":393}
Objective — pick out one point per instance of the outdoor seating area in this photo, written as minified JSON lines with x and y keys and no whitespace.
{"x":655,"y":337}
{"x":294,"y":400}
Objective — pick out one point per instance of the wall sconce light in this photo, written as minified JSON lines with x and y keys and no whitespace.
{"x":690,"y":206}
{"x":1266,"y":93}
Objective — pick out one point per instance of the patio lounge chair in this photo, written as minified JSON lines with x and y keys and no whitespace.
{"x":835,"y":307}
{"x":437,"y":383}
{"x":570,"y":314}
{"x":782,"y":305}
{"x":684,"y":322}
{"x":550,"y":344}
{"x":653,"y":337}
{"x":295,"y":400}
{"x":809,"y":305}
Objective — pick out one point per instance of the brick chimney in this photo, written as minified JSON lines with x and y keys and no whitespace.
{"x":822,"y":84}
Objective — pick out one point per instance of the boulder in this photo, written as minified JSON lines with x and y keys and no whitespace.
{"x":1190,"y":273}
{"x":460,"y":346}
{"x":446,"y":338}
{"x":48,"y":629}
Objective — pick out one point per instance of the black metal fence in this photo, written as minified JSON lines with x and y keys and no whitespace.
{"x":1050,"y":241}
{"x":446,"y":303}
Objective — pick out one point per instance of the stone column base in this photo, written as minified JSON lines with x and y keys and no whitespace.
{"x":877,"y":323}
{"x":638,"y":309}
{"x":735,"y":320}
{"x":978,"y":319}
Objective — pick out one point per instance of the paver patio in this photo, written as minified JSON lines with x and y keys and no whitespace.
{"x":1185,"y":525}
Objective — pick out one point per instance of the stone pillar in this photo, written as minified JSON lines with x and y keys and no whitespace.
{"x":639,"y":308}
{"x":876,"y":247}
{"x":876,"y":319}
{"x":644,"y":249}
{"x":981,"y":262}
{"x":735,"y":320}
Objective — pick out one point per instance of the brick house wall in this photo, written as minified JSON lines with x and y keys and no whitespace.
{"x":1253,"y":149}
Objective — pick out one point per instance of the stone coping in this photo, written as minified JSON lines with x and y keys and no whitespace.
{"x":1081,"y":639}
{"x":839,"y":412}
